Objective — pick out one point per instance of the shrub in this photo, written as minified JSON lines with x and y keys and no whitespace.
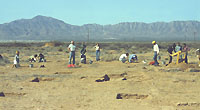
{"x":109,"y":58}
{"x":60,"y":49}
{"x":4,"y":61}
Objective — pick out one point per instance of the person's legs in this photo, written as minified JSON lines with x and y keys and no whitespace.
{"x":135,"y":59}
{"x":199,"y":61}
{"x":170,"y":59}
{"x":40,"y":60}
{"x":70,"y":57}
{"x":97,"y":55}
{"x":155,"y":58}
{"x":123,"y":60}
{"x":186,"y":59}
{"x":131,"y":61}
{"x":84,"y":59}
{"x":73,"y":57}
{"x":181,"y":58}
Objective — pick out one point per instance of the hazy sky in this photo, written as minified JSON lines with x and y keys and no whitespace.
{"x":79,"y":12}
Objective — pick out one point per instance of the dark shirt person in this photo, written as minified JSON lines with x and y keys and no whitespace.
{"x":83,"y":56}
{"x":170,"y":50}
{"x":41,"y":58}
{"x":186,"y":49}
{"x":174,"y":46}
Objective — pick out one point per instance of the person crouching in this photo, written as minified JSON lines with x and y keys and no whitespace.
{"x":132,"y":58}
{"x":123,"y":57}
{"x":33,"y":58}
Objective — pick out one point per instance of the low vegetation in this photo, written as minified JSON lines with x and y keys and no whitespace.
{"x":109,"y":51}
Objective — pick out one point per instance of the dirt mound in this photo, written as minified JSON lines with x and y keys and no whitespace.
{"x":49,"y":44}
{"x":131,"y":96}
{"x":182,"y":66}
{"x":14,"y":94}
{"x":2,"y":94}
{"x":105,"y":78}
{"x":189,"y":104}
{"x":42,"y":79}
{"x":63,"y":73}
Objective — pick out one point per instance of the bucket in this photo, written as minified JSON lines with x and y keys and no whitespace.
{"x":31,"y":66}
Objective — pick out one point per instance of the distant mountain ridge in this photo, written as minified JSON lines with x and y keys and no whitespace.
{"x":48,"y":28}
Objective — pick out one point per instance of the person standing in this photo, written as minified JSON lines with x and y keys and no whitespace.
{"x":174,"y":46}
{"x":16,"y":60}
{"x":198,"y":55}
{"x":1,"y":57}
{"x":170,"y":50}
{"x":185,"y":49}
{"x":97,"y":52}
{"x":177,"y":49}
{"x":156,"y":52}
{"x":71,"y":49}
{"x":83,"y":51}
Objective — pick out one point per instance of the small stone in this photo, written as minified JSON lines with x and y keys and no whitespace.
{"x":100,"y":80}
{"x":194,"y":70}
{"x":119,"y":96}
{"x":124,"y":79}
{"x":173,"y":70}
{"x":35,"y":80}
{"x":106,"y":78}
{"x":83,"y":77}
{"x":123,"y":74}
{"x":166,"y":59}
{"x":42,"y":66}
{"x":2,"y":94}
{"x":144,"y":68}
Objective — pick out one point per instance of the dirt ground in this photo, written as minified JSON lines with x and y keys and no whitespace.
{"x":135,"y":86}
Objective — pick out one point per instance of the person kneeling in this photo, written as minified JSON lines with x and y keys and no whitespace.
{"x":123,"y":57}
{"x":132,"y":58}
{"x":83,"y":59}
{"x":33,"y":58}
{"x":41,"y":58}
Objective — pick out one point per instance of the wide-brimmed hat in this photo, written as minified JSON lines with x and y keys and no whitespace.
{"x":153,"y":42}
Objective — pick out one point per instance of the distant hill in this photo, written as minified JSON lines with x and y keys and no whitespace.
{"x":48,"y":28}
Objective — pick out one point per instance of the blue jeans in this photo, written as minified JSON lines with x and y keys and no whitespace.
{"x":170,"y":59}
{"x":124,"y":60}
{"x":186,"y":59}
{"x":97,"y":55}
{"x":155,"y":58}
{"x":72,"y":55}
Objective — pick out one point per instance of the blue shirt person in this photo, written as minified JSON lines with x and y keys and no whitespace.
{"x":132,"y":58}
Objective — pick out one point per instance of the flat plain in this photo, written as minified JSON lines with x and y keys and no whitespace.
{"x":132,"y":86}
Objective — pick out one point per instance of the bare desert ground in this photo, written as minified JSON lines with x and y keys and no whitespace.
{"x":135,"y":86}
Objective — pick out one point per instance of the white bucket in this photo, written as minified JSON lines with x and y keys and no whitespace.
{"x":31,"y":66}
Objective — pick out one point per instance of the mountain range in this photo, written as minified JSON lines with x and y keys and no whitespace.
{"x":48,"y":28}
